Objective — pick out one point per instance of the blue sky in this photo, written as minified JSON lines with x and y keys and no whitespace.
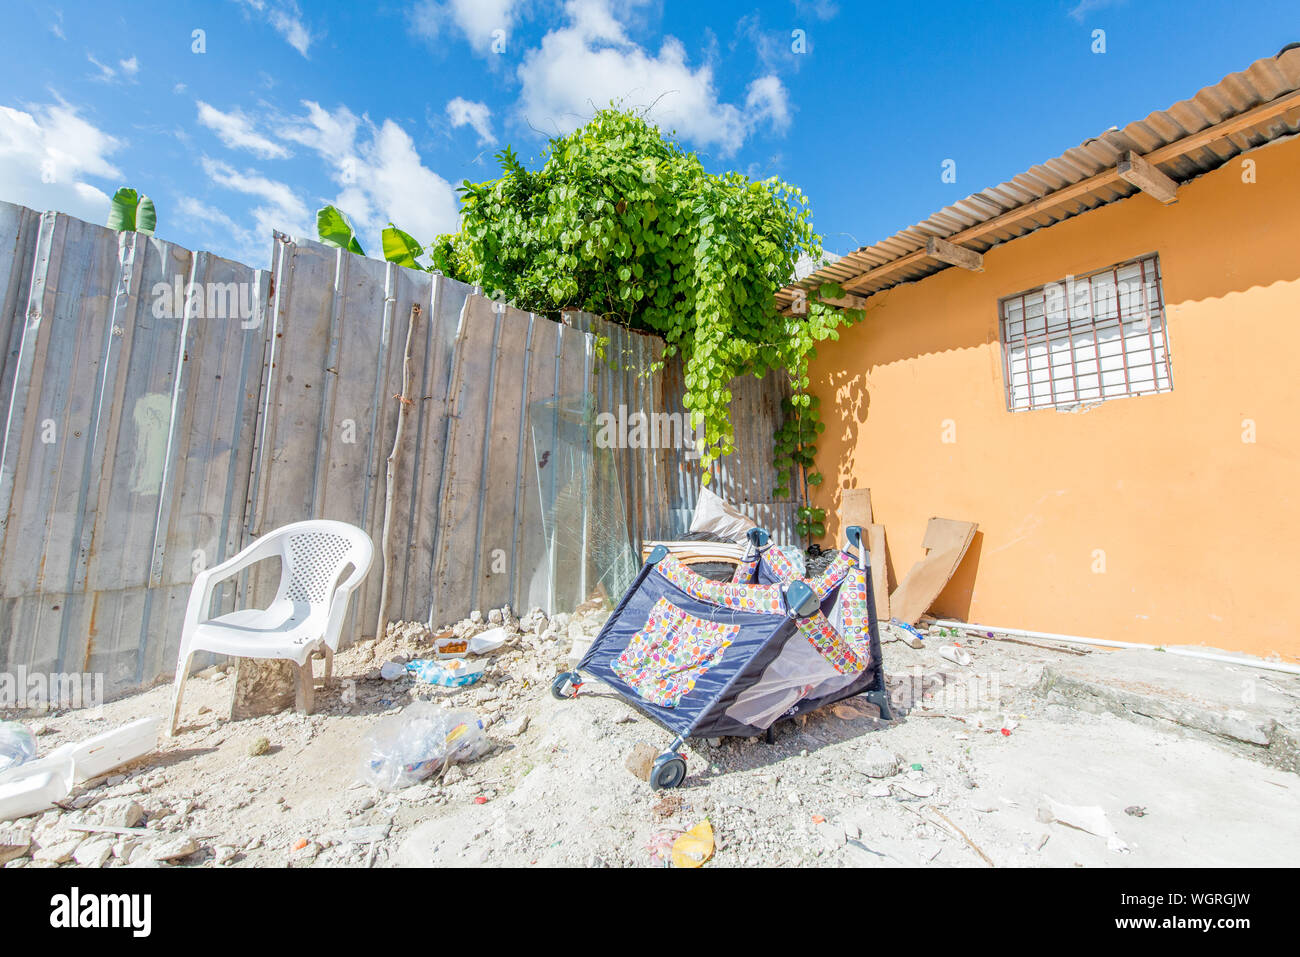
{"x":276,"y":107}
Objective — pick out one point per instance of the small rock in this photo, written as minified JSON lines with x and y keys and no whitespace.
{"x":454,"y":775}
{"x":59,"y":851}
{"x":172,"y":850}
{"x":261,"y":745}
{"x":878,"y":762}
{"x":117,"y":812}
{"x":516,"y":727}
{"x":15,"y":841}
{"x":94,"y":853}
{"x":224,"y":854}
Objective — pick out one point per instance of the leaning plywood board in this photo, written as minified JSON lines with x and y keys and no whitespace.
{"x":946,"y":541}
{"x":855,"y":508}
{"x":879,"y":570}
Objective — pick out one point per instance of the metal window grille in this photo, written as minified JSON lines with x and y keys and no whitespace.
{"x":1087,"y":338}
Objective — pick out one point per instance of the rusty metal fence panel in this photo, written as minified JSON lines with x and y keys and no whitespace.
{"x":161,"y":408}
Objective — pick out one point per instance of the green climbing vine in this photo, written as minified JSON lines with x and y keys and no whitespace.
{"x":621,"y":221}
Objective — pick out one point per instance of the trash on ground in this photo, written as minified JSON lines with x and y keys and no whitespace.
{"x":450,"y":674}
{"x":694,"y":847}
{"x":408,"y":747}
{"x":392,"y":670}
{"x":1134,"y":810}
{"x":38,"y":784}
{"x":1090,"y":819}
{"x":957,"y":655}
{"x":452,"y":647}
{"x":17,"y":745}
{"x":486,"y":642}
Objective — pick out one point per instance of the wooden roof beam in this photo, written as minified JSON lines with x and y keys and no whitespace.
{"x":1136,"y":170}
{"x":953,"y":254}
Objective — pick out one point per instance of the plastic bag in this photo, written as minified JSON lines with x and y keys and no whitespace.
{"x":408,"y":747}
{"x":450,"y":674}
{"x":17,"y":745}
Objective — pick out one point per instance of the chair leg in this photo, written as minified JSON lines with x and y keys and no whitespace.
{"x":329,"y":662}
{"x":304,"y":700}
{"x":182,"y":672}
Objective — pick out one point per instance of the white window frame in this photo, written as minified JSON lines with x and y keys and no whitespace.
{"x":1086,"y":339}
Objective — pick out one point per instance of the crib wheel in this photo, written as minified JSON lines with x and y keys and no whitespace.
{"x":669,"y":771}
{"x":565,"y":685}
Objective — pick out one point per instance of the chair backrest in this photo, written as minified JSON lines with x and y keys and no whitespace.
{"x":314,"y":555}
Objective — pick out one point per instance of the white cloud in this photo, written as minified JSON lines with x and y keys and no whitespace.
{"x":582,"y":66}
{"x":478,"y":20}
{"x":46,"y":155}
{"x":106,"y":73}
{"x":379,"y":174}
{"x":463,"y":112}
{"x":767,"y":99}
{"x":236,"y":131}
{"x":281,"y":209}
{"x":285,"y":18}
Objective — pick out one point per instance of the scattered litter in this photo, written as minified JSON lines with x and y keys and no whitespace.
{"x":694,"y":847}
{"x":452,"y":647}
{"x":660,"y":847}
{"x":957,"y":655}
{"x":906,"y":634}
{"x":38,"y":784}
{"x":1089,"y":819}
{"x":916,"y":766}
{"x":450,"y":674}
{"x":408,"y":747}
{"x":17,"y":745}
{"x":1134,"y":810}
{"x":488,"y":641}
{"x":392,"y":670}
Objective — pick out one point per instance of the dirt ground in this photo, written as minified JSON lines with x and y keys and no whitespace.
{"x":967,"y":778}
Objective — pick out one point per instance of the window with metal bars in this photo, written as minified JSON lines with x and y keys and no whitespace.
{"x":1086,"y":338}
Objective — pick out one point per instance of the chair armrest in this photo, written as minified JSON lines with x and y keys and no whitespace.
{"x":339,"y":605}
{"x":206,"y":581}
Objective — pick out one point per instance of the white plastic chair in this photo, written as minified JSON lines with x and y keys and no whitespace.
{"x":304,"y":620}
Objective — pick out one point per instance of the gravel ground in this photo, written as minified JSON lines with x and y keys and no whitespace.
{"x":964,"y":779}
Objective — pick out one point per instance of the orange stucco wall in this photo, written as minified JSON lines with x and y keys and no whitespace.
{"x":1199,"y":531}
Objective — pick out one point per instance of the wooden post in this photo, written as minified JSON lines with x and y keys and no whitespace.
{"x":386,"y":544}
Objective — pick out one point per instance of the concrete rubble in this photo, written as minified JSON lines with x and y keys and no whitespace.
{"x":963,"y":779}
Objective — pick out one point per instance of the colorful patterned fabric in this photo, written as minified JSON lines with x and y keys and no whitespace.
{"x":835,"y":572}
{"x":667,"y":655}
{"x":760,"y":599}
{"x":745,"y":572}
{"x":854,"y":610}
{"x":841,"y":654}
{"x":781,"y":566}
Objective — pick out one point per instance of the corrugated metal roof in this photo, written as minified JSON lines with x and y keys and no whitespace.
{"x":1263,"y":81}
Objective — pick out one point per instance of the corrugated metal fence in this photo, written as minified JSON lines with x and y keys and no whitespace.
{"x":163,"y":407}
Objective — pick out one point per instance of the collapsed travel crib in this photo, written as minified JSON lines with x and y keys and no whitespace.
{"x":709,"y":659}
